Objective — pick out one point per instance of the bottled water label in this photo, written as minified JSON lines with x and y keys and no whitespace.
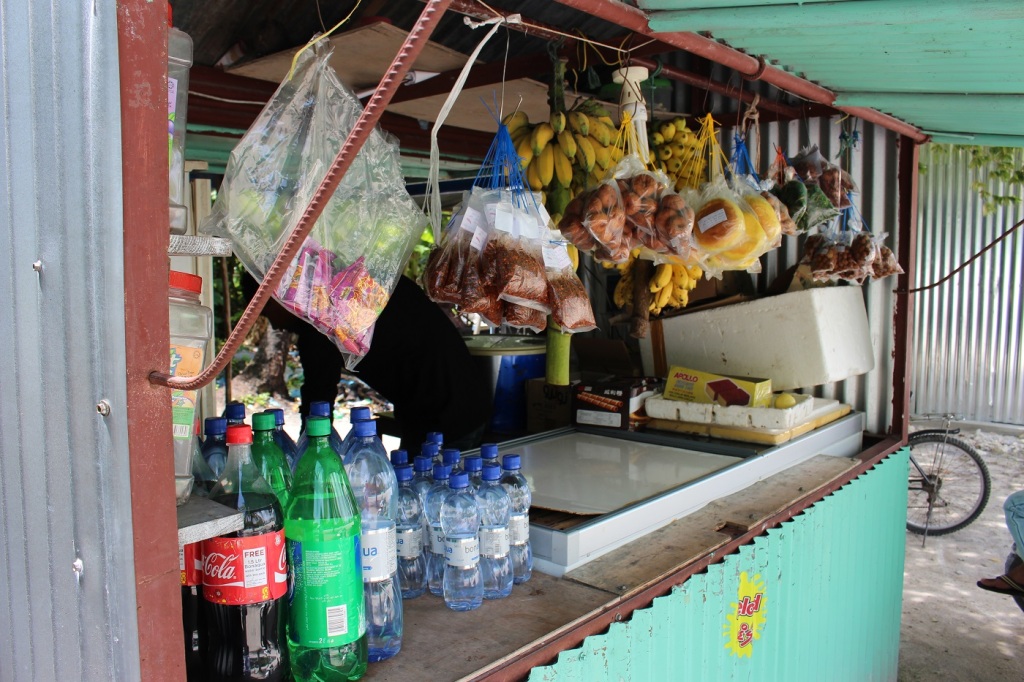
{"x":519,"y":528}
{"x":494,"y":542}
{"x":436,"y":539}
{"x":410,"y":542}
{"x":462,"y":552}
{"x":326,"y":601}
{"x":380,"y":553}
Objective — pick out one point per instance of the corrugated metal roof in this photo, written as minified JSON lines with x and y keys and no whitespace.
{"x":954,"y":69}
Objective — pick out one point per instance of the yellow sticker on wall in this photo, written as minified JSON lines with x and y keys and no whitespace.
{"x":748,"y":616}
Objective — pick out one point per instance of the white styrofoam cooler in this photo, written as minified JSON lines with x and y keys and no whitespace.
{"x":798,"y":340}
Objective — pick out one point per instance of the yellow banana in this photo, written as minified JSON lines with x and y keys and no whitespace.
{"x":532,"y":177}
{"x":585,"y":155}
{"x":515,"y":121}
{"x":579,"y":123}
{"x":680,"y":277}
{"x":662,"y":277}
{"x":602,"y":155}
{"x":667,"y":130}
{"x":602,"y":133}
{"x":623,"y":294}
{"x":525,"y":151}
{"x":563,"y":167}
{"x":567,"y":143}
{"x":595,"y":177}
{"x":664,"y":295}
{"x":607,"y":120}
{"x":695,"y":273}
{"x":657,"y":139}
{"x":664,"y":152}
{"x":546,"y":164}
{"x":616,"y":154}
{"x":557,"y":121}
{"x":542,"y":134}
{"x":574,"y":255}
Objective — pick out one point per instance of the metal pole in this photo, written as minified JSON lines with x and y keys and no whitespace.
{"x":903,"y":315}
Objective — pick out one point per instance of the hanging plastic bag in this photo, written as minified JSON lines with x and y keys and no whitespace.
{"x":512,"y":258}
{"x":521,"y":317}
{"x":570,"y":305}
{"x":347,"y":268}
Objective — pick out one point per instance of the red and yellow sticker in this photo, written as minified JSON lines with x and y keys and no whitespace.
{"x":747,"y":618}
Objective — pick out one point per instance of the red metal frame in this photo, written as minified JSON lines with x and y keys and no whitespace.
{"x":635,"y":20}
{"x":142,"y":55}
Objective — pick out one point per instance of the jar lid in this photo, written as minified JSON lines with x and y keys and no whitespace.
{"x":186,"y":281}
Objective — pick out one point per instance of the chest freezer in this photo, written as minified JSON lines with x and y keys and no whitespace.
{"x":596,"y":490}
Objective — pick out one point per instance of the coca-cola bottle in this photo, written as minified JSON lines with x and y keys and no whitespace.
{"x":190,"y":560}
{"x":245,"y":576}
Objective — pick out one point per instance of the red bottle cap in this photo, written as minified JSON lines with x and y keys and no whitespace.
{"x":239,"y":434}
{"x":186,"y":281}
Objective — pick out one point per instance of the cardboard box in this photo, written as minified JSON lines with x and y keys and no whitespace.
{"x":547,"y":406}
{"x":694,"y":386}
{"x":616,"y":404}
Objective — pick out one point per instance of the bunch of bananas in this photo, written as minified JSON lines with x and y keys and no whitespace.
{"x":565,"y":154}
{"x":676,"y":149}
{"x":670,"y":285}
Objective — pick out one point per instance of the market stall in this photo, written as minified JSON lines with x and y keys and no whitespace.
{"x":686,"y":524}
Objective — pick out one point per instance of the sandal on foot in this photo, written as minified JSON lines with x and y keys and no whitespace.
{"x":1002,"y":585}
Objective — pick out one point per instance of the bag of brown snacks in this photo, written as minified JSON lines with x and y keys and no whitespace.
{"x":570,"y":305}
{"x":511,"y":261}
{"x":522,"y":317}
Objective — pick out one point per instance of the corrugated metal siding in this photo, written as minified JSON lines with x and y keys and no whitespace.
{"x":874,"y":169}
{"x":968,"y":332}
{"x":816,"y":627}
{"x":64,"y":491}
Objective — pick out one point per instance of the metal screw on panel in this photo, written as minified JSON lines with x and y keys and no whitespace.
{"x":38,"y":266}
{"x":103,"y":407}
{"x":78,"y":567}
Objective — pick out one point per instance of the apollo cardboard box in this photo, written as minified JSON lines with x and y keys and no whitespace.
{"x":694,"y":386}
{"x":798,"y":339}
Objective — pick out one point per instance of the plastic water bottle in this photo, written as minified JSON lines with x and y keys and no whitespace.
{"x":399,"y":458}
{"x":234,"y":412}
{"x":435,"y":559}
{"x":281,"y":437}
{"x":489,"y":453}
{"x":375,"y":487}
{"x":327,"y":621}
{"x":495,"y":511}
{"x":215,"y":447}
{"x":433,"y":451}
{"x":462,"y":584}
{"x":269,"y":457}
{"x":452,"y":458}
{"x":422,"y":477}
{"x":412,"y":564}
{"x":474,"y":466}
{"x":519,"y":523}
{"x":322,"y":409}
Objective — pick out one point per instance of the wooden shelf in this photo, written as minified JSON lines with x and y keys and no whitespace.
{"x":195,"y":245}
{"x":200,"y":519}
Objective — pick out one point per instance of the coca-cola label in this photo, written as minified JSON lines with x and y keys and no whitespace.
{"x":327,"y":591}
{"x":248,"y":570}
{"x":436,"y":539}
{"x":410,"y":542}
{"x":379,"y":552}
{"x":190,"y":562}
{"x":494,"y":541}
{"x":462,"y":552}
{"x":519,"y":529}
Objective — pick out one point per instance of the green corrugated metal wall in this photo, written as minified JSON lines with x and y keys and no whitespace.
{"x":832,"y":595}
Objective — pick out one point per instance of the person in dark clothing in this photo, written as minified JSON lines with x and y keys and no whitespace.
{"x":417,"y":361}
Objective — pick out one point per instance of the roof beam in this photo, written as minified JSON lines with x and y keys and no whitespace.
{"x":636,"y":20}
{"x":650,"y":5}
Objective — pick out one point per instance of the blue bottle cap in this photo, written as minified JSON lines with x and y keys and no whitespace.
{"x":441,"y":472}
{"x":320,"y":408}
{"x":473,"y":463}
{"x":216,"y":426}
{"x":234,"y":411}
{"x":360,"y":414}
{"x":399,"y":457}
{"x":450,"y":457}
{"x":403,"y":473}
{"x":489,"y":450}
{"x":366,"y":428}
{"x":422,"y":464}
{"x":430,"y":449}
{"x":510,"y":462}
{"x":459,"y":481}
{"x":435,"y":437}
{"x":492,"y":472}
{"x":278,"y":415}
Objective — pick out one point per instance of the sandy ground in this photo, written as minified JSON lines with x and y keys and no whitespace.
{"x":953,"y":631}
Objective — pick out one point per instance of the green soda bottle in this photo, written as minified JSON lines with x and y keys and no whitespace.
{"x":269,"y":457}
{"x":327,"y":620}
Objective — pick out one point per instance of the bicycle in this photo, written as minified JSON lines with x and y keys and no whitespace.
{"x":948,"y":482}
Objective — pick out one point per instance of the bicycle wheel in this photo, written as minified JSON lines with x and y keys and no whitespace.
{"x":948,"y":484}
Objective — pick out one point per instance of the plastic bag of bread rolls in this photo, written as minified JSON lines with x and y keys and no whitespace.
{"x":728,"y":234}
{"x":595,"y":221}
